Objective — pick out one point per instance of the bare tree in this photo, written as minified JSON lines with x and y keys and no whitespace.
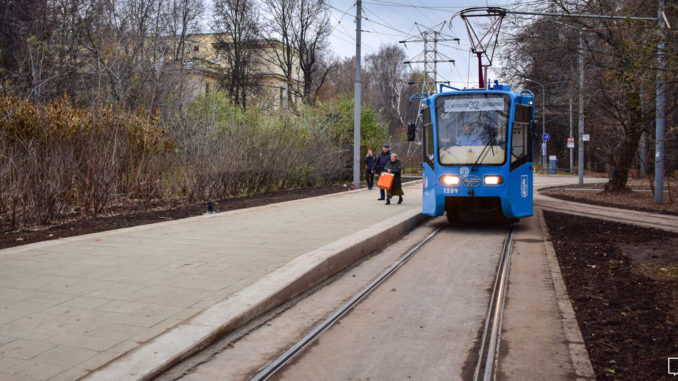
{"x":278,"y":36}
{"x":340,"y":78}
{"x":310,"y":33}
{"x":239,"y":20}
{"x":387,"y":82}
{"x":183,"y":18}
{"x":122,"y":41}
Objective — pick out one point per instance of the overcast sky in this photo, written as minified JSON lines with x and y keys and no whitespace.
{"x":389,"y":21}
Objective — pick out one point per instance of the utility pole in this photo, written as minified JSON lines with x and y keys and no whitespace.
{"x":659,"y":148}
{"x":543,"y":124}
{"x":430,"y":38}
{"x":571,"y":148}
{"x":580,"y":152}
{"x":356,"y":114}
{"x":642,"y":149}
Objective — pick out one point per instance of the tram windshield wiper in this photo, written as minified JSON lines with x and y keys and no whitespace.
{"x":484,"y":152}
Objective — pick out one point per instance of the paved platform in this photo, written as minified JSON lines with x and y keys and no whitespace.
{"x":70,"y":306}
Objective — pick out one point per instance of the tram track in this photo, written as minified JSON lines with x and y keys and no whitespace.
{"x":489,"y":349}
{"x":298,"y":348}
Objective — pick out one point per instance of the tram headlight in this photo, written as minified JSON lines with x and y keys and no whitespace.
{"x":449,"y":180}
{"x":493,"y":180}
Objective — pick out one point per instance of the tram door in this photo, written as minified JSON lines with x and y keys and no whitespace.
{"x":521,"y":160}
{"x":429,"y":177}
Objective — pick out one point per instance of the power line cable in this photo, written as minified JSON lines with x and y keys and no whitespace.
{"x":342,"y":17}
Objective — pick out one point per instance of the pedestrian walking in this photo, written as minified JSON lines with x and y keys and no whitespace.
{"x":396,"y":167}
{"x":370,"y":163}
{"x":382,"y":160}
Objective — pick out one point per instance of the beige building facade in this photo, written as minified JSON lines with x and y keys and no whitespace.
{"x":209,"y":70}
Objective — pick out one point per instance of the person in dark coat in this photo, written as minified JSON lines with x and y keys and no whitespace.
{"x":396,"y":167}
{"x":370,"y":163}
{"x":382,"y":160}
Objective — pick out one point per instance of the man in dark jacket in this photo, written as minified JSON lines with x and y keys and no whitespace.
{"x":382,"y":160}
{"x":370,"y":164}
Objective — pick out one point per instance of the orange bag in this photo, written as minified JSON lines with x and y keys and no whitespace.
{"x":385,"y":180}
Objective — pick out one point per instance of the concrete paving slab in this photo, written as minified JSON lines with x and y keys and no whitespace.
{"x":28,"y":369}
{"x":105,"y":294}
{"x":70,"y":375}
{"x":24,"y":349}
{"x":65,"y":355}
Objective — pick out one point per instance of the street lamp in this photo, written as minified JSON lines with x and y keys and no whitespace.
{"x":543,"y":121}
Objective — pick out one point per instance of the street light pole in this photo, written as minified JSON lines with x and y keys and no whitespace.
{"x":661,"y":112}
{"x":356,"y":111}
{"x":543,"y":122}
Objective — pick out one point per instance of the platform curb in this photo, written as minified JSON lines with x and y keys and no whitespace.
{"x":573,"y":336}
{"x":301,"y":274}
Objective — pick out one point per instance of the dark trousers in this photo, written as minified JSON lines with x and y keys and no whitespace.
{"x":369,"y":176}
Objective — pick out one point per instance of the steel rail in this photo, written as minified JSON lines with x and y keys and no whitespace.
{"x":489,"y":347}
{"x":297,"y":348}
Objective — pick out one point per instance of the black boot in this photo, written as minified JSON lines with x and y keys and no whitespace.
{"x":400,"y":199}
{"x":388,"y":201}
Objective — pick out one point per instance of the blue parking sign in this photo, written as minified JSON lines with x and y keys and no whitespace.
{"x":545,"y":137}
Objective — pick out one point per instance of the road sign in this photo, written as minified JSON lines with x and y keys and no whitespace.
{"x":570,"y":142}
{"x":543,"y":149}
{"x":545,"y":137}
{"x":586,"y":137}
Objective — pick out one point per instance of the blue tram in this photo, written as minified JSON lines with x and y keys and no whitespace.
{"x":477,"y":152}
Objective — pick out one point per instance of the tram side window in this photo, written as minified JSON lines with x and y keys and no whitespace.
{"x":520,"y":143}
{"x":429,"y":151}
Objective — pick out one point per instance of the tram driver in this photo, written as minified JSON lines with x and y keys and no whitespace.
{"x":469,"y":137}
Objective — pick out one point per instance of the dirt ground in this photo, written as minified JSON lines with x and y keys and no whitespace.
{"x":623,"y":284}
{"x":135,"y":213}
{"x":641,"y":198}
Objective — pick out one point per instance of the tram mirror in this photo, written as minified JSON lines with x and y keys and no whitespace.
{"x":534,"y":129}
{"x":411,"y":128}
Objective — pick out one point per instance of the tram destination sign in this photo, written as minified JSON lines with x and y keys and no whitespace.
{"x":474,"y":104}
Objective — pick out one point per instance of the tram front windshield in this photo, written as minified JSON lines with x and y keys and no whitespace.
{"x":472,"y":129}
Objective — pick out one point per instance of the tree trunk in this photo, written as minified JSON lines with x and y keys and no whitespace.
{"x":620,"y":173}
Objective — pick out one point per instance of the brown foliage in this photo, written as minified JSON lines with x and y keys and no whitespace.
{"x":59,"y":159}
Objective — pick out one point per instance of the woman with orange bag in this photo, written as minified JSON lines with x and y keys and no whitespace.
{"x":395,"y":167}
